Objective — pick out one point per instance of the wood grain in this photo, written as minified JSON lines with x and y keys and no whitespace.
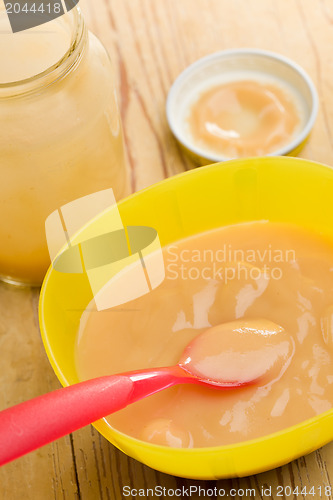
{"x":150,"y":43}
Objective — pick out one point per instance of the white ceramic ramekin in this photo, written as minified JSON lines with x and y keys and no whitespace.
{"x":232,"y":65}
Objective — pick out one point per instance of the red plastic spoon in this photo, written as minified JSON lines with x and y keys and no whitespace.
{"x":227,"y":356}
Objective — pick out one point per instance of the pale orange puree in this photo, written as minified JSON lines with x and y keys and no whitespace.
{"x":271,"y":279}
{"x":244,"y":118}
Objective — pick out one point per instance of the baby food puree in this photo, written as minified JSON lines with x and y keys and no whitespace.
{"x":30,"y":52}
{"x":244,"y":118}
{"x":273,"y":278}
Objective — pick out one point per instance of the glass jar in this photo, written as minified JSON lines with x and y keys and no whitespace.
{"x":60,"y":134}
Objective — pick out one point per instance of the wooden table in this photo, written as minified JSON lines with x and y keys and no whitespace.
{"x":150,"y":43}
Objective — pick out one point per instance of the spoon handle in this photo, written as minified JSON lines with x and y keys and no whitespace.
{"x":34,"y":423}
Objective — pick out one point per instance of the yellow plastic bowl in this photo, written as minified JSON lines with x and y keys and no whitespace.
{"x":275,"y":189}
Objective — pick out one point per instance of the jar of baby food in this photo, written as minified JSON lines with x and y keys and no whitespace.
{"x":60,"y":134}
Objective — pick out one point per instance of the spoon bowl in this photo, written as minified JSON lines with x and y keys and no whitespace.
{"x":238,"y":353}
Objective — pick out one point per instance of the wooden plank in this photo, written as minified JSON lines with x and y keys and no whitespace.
{"x":25,"y":372}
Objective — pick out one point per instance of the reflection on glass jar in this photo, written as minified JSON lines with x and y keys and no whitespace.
{"x":60,"y":134}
